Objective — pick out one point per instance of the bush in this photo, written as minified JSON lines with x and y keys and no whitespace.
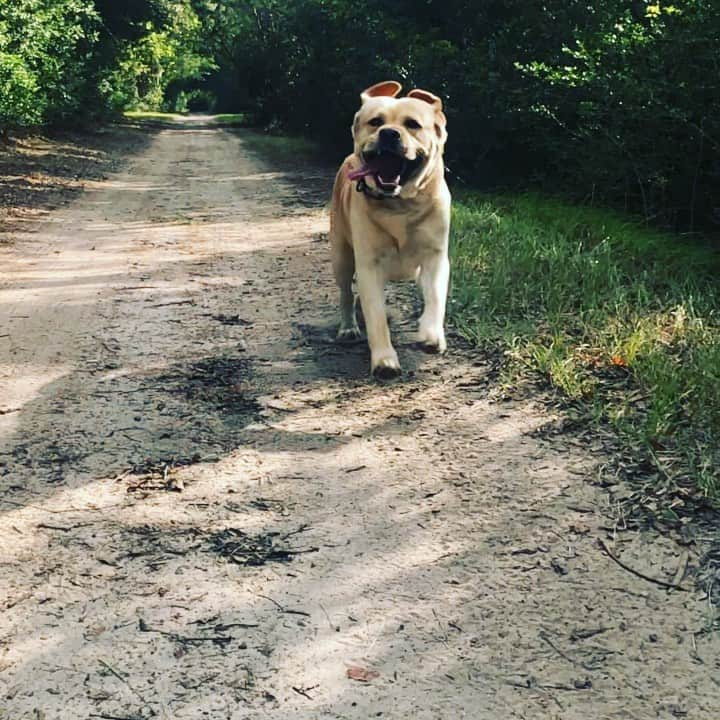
{"x":45,"y":49}
{"x":67,"y":59}
{"x":19,"y":102}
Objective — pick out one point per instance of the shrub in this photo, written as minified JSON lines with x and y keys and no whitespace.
{"x":19,"y":101}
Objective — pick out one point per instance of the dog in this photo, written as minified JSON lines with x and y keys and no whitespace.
{"x":390,"y":218}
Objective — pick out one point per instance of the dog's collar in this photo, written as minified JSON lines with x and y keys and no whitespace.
{"x":363,"y":187}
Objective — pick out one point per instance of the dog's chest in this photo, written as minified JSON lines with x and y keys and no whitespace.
{"x":409,"y":232}
{"x":398,"y":230}
{"x":406,"y":246}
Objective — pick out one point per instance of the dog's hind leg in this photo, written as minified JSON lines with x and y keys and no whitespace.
{"x":343,"y":262}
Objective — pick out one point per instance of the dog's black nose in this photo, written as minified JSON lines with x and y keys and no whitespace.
{"x":389,"y":136}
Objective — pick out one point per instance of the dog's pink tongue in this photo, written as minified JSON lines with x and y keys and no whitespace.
{"x":359,"y":173}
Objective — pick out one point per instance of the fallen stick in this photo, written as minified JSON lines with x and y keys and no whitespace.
{"x":284,"y":609}
{"x":122,"y":679}
{"x":217,"y":639}
{"x":637,"y":573}
{"x":304,"y":691}
{"x":168,"y":304}
{"x":578,"y":663}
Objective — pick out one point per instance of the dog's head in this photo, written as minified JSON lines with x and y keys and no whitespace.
{"x":400,"y":141}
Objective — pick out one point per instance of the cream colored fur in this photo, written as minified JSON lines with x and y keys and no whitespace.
{"x":401,"y":237}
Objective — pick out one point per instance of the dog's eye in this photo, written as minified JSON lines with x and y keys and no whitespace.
{"x":412,"y":124}
{"x":376,"y":122}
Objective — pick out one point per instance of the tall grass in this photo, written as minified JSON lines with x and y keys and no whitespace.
{"x":622,"y":319}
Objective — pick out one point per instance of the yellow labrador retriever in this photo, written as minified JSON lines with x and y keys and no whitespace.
{"x":390,"y":217}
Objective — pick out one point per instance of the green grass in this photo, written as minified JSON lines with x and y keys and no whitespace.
{"x":623,"y":320}
{"x":224,"y":119}
{"x":150,"y":115}
{"x":232,"y":119}
{"x":284,"y":149}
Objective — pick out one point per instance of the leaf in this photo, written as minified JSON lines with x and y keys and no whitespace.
{"x":361,"y":674}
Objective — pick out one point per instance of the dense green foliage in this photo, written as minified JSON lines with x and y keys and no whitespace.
{"x":64,"y":59}
{"x":44,"y":58}
{"x":614,"y":101}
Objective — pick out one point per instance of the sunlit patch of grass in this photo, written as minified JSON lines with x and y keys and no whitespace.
{"x":222,"y":120}
{"x":621,"y":318}
{"x":231,"y":119}
{"x":150,"y":115}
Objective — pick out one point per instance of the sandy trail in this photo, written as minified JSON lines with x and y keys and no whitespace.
{"x":208,"y":510}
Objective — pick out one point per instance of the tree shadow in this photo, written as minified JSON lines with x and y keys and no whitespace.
{"x":442,"y":583}
{"x":37,"y":173}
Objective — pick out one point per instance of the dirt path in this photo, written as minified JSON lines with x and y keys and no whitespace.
{"x":208,"y":510}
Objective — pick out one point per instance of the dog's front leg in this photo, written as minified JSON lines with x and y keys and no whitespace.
{"x":433,"y":280}
{"x":371,"y":288}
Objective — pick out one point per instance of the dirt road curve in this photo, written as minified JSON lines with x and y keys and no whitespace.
{"x":208,"y":510}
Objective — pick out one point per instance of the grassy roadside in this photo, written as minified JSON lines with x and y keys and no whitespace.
{"x":222,"y":120}
{"x":231,"y":119}
{"x":285,"y":150}
{"x":622,"y":320}
{"x":152,"y":116}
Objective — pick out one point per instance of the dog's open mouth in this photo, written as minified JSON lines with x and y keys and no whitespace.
{"x":389,"y":170}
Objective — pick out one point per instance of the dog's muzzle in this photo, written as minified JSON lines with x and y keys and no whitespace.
{"x":387,"y":164}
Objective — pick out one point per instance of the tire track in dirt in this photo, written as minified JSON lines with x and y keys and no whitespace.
{"x":208,"y":509}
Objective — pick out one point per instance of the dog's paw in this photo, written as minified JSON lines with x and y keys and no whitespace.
{"x":433,"y":347}
{"x":347,"y":336}
{"x":431,"y":342}
{"x":386,"y":368}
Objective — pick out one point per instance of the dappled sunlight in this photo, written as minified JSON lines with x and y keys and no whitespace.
{"x":22,"y":385}
{"x":210,"y":509}
{"x":255,"y":177}
{"x":233,"y":595}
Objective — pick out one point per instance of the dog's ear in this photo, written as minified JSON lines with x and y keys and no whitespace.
{"x":389,"y":88}
{"x":427,"y":97}
{"x":436,"y":102}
